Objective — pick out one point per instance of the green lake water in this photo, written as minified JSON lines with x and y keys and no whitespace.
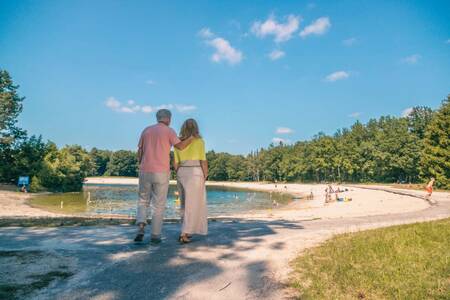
{"x":122,"y":199}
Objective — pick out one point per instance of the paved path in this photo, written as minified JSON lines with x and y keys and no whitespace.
{"x":241,"y":259}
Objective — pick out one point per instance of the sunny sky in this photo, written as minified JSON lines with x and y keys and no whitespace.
{"x":251,"y":72}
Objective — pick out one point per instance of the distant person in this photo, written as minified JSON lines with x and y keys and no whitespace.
{"x":192,"y":171}
{"x":429,"y":189}
{"x":328,"y":191}
{"x":154,"y":170}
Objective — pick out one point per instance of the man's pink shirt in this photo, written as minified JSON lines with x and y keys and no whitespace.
{"x":156,"y":142}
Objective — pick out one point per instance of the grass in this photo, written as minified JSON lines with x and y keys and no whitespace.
{"x":400,"y":262}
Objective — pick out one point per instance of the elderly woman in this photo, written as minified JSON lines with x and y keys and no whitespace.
{"x":192,"y":171}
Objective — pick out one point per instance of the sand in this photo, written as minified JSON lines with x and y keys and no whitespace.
{"x":365,"y":202}
{"x":14,"y":204}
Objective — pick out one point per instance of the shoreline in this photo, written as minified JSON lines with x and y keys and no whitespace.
{"x":365,"y":202}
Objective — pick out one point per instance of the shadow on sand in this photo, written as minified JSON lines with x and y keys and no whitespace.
{"x":112,"y":267}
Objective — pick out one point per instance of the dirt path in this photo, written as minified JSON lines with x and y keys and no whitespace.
{"x":244,"y":259}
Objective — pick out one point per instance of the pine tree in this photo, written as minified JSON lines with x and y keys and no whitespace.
{"x":435,"y":161}
{"x":10,"y":108}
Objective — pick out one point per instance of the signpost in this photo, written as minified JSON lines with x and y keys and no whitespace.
{"x":23,"y":180}
{"x":23,"y":183}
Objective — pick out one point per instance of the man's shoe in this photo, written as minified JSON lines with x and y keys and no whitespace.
{"x":139,"y":238}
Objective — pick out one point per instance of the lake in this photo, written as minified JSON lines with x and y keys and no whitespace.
{"x":122,"y":199}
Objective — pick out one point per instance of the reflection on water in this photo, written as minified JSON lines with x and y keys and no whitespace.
{"x":121,"y":199}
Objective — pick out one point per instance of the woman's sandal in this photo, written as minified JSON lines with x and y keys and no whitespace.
{"x":183,"y":239}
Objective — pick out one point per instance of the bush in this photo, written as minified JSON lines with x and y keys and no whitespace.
{"x":36,"y":185}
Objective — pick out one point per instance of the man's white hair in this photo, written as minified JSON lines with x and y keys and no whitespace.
{"x":163,"y":114}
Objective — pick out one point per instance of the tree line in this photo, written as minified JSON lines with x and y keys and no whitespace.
{"x":388,"y":149}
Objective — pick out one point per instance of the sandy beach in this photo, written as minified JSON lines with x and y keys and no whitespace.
{"x":14,"y":204}
{"x":247,"y":257}
{"x":365,"y":202}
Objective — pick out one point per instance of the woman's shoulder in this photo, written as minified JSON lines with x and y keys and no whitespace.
{"x":199,"y":141}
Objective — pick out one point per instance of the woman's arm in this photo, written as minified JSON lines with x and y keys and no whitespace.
{"x":204,"y":165}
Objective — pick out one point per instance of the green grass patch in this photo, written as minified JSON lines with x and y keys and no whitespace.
{"x":400,"y":262}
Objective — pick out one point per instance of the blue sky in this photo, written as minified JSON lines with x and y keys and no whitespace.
{"x":251,"y":72}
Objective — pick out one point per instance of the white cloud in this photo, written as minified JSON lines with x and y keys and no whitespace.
{"x":412,"y":59}
{"x":447,"y":41}
{"x":147,"y":109}
{"x":354,"y":115}
{"x":184,"y":108}
{"x":277,"y":140}
{"x":224,"y":51}
{"x":150,"y":82}
{"x":283,"y":130}
{"x":318,"y":27}
{"x":281,"y":31}
{"x":276,"y":54}
{"x":130,"y":106}
{"x":406,"y":112}
{"x":112,"y":103}
{"x":349,"y":42}
{"x":206,"y":33}
{"x":339,"y":75}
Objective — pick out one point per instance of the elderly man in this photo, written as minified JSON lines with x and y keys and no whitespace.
{"x":154,"y":171}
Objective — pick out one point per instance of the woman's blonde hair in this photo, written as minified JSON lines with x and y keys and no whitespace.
{"x":189,"y":128}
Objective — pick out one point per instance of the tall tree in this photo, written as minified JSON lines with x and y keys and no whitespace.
{"x":100,"y":159}
{"x":10,"y":135}
{"x":435,"y":160}
{"x":122,"y":163}
{"x":418,"y":120}
{"x":10,"y":108}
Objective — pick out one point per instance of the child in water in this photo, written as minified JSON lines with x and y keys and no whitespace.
{"x":429,"y":190}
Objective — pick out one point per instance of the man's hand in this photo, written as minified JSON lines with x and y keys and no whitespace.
{"x":183,"y":144}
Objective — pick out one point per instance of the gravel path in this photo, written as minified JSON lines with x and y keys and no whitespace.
{"x":243,"y":259}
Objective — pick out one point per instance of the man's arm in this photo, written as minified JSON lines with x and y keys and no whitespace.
{"x":139,"y":155}
{"x":140,"y":150}
{"x":183,"y":144}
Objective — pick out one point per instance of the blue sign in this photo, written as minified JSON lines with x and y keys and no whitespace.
{"x":24,"y":180}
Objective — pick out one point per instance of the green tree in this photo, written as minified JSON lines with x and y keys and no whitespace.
{"x":435,"y":159}
{"x":122,"y":163}
{"x":65,"y":169}
{"x":10,"y":108}
{"x":418,"y":120}
{"x":100,"y":159}
{"x":10,"y":135}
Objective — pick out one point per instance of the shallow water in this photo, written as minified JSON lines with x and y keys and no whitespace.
{"x":121,"y":199}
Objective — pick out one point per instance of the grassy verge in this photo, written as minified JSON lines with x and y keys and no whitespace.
{"x":400,"y":262}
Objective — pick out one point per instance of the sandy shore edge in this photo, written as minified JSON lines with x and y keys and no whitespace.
{"x":365,"y":202}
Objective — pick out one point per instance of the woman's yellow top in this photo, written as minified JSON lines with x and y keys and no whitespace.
{"x":195,"y":151}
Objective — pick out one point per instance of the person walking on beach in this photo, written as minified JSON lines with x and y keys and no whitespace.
{"x":192,"y":170}
{"x":154,"y":171}
{"x":429,"y":189}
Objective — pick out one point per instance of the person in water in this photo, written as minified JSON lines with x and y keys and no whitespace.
{"x":154,"y":170}
{"x":192,"y":171}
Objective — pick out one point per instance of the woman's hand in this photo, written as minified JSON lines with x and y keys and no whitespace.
{"x":204,"y":165}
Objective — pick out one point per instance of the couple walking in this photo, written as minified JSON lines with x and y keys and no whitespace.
{"x":154,"y":173}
